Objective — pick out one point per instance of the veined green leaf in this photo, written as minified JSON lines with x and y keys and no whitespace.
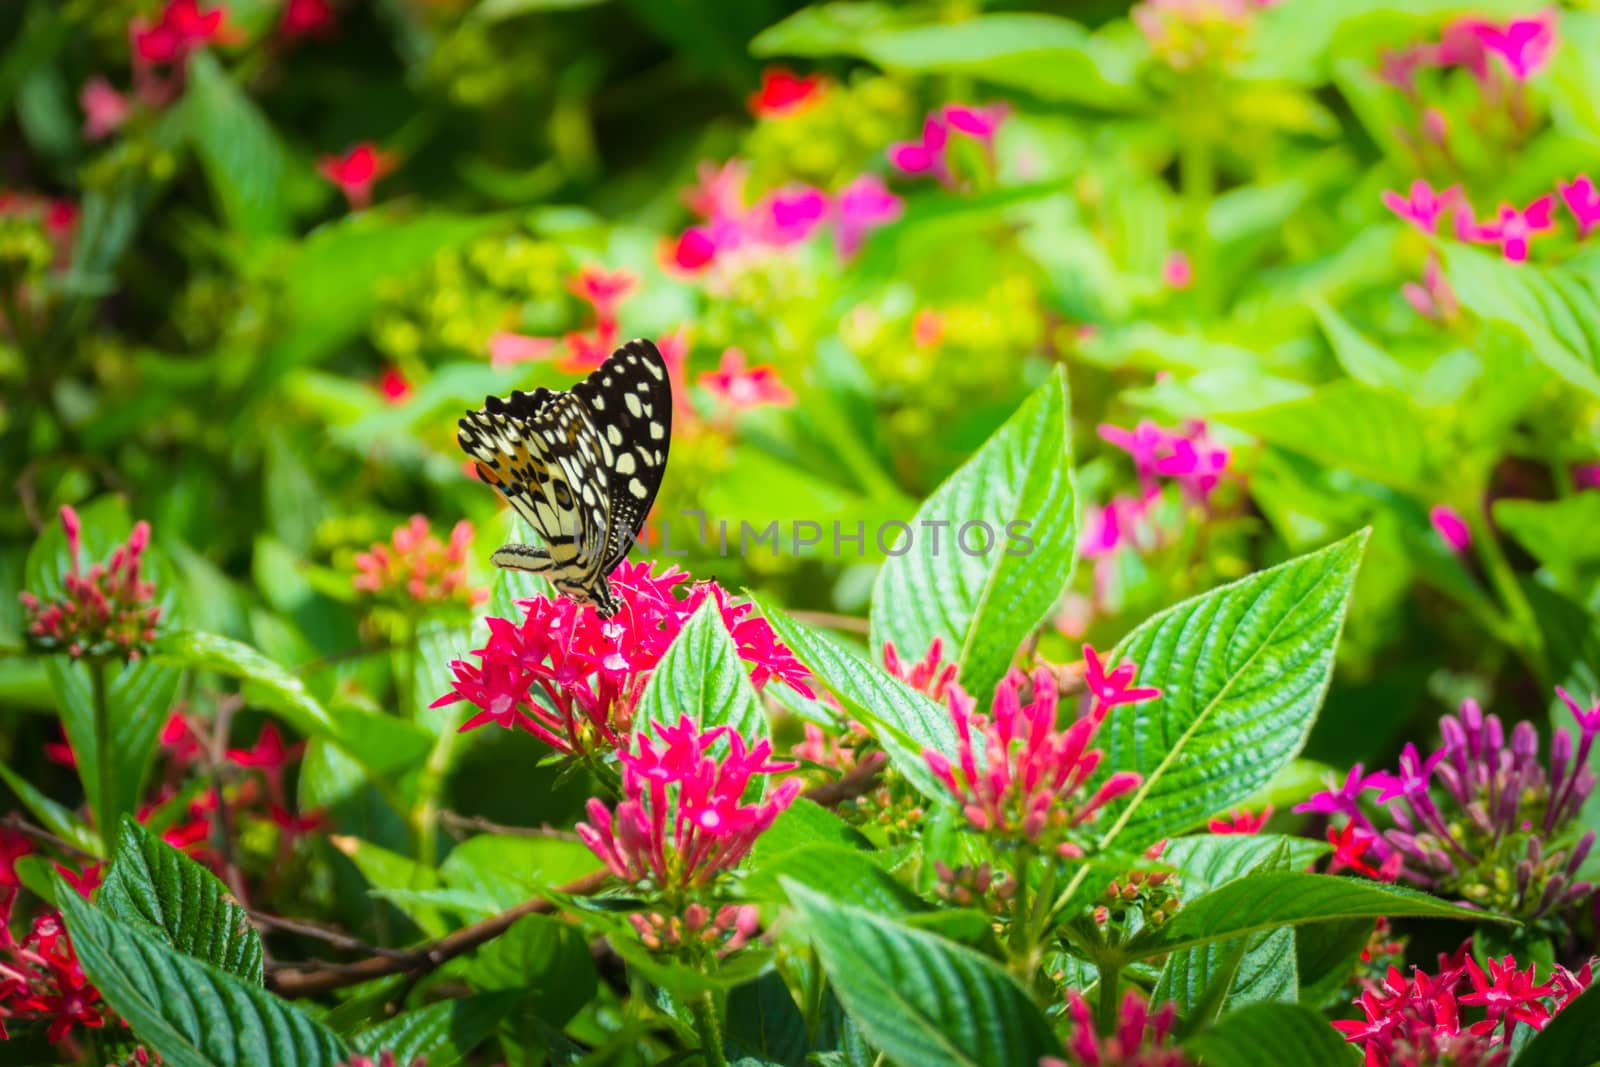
{"x":1570,"y":1039}
{"x":1243,"y":670}
{"x":920,"y":998}
{"x":241,"y":154}
{"x":270,"y":686}
{"x":983,"y":604}
{"x":1347,"y":426}
{"x":702,"y":676}
{"x":1559,"y":533}
{"x":1270,"y":1035}
{"x":153,"y":883}
{"x":441,"y":1033}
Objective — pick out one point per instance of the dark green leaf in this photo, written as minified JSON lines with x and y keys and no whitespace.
{"x":544,"y":958}
{"x":765,"y":1023}
{"x":1571,"y":1039}
{"x":921,"y":999}
{"x":153,"y":883}
{"x":269,"y":685}
{"x":1271,"y":1035}
{"x":442,"y":1033}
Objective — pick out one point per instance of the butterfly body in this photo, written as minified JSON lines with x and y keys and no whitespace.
{"x":581,"y":466}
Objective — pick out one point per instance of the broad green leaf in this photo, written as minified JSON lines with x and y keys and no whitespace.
{"x":1271,"y":1035}
{"x":386,"y":870}
{"x":151,"y":882}
{"x":510,"y":869}
{"x":1206,"y":861}
{"x":702,"y":676}
{"x":1347,"y":426}
{"x":1326,"y":957}
{"x":847,"y":876}
{"x":1288,"y":898}
{"x":1571,"y":1039}
{"x":765,"y":1025}
{"x":921,"y":999}
{"x":904,"y":721}
{"x":1361,"y":357}
{"x":1243,"y":670}
{"x":1218,"y":977}
{"x":982,"y":592}
{"x":442,"y":1033}
{"x":242,"y":157}
{"x":821,"y":30}
{"x":543,"y":957}
{"x":52,"y":816}
{"x":1559,"y":533}
{"x":191,"y":1013}
{"x":267,"y":685}
{"x":806,"y":822}
{"x":1555,"y":310}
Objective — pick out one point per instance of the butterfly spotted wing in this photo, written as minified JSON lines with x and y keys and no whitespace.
{"x":581,"y":466}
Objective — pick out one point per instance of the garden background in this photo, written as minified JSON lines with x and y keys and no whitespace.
{"x":1148,"y":462}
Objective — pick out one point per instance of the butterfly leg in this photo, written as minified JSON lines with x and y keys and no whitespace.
{"x":529,"y":558}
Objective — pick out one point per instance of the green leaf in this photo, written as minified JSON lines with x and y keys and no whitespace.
{"x":765,"y":1024}
{"x":441,"y":1033}
{"x":1288,"y":898}
{"x":52,"y":816}
{"x":806,"y":822}
{"x":702,"y":676}
{"x":191,"y":1013}
{"x":1243,"y":670}
{"x":385,"y":870}
{"x":509,"y":870}
{"x":921,"y":999}
{"x":267,"y":685}
{"x":544,"y":958}
{"x":238,"y":149}
{"x":904,"y":721}
{"x":1360,"y":357}
{"x":1206,"y":861}
{"x":847,"y":876}
{"x":1326,"y":957}
{"x":1206,"y":981}
{"x":1559,"y":533}
{"x":1270,"y":1035}
{"x":1556,"y":311}
{"x":982,"y":605}
{"x":153,"y":883}
{"x":1571,"y":1039}
{"x":1347,"y":426}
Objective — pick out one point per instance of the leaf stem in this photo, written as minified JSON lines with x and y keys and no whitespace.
{"x":102,"y":753}
{"x":704,"y":1008}
{"x":1105,"y":1015}
{"x":1523,"y":634}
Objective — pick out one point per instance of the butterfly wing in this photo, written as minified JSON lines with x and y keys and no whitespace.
{"x":630,"y":400}
{"x":543,"y":453}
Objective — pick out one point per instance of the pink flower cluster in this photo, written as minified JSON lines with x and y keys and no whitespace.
{"x":108,"y":610}
{"x":1417,"y":1021}
{"x":358,"y":171}
{"x":683,"y":819}
{"x":725,"y":931}
{"x":1033,"y":774}
{"x":736,"y":387}
{"x":1477,"y":808}
{"x":589,"y":673}
{"x":1186,"y":34}
{"x":731,"y":233}
{"x":1512,"y":228}
{"x":1141,"y":1039}
{"x":930,"y":155}
{"x":418,"y":567}
{"x":41,"y":980}
{"x":1518,"y":48}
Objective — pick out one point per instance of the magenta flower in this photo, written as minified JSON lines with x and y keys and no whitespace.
{"x":109,"y":609}
{"x":1421,"y":206}
{"x":104,"y":109}
{"x":1345,"y":799}
{"x":1142,"y":1038}
{"x":1177,"y":272}
{"x":1033,"y":775}
{"x":1240,"y":822}
{"x":1524,"y":46}
{"x":1433,"y":298}
{"x":588,"y":674}
{"x":979,"y":123}
{"x":1109,"y":690}
{"x":1583,"y":201}
{"x":507,"y":349}
{"x":1188,"y":456}
{"x":862,"y":206}
{"x":739,"y":388}
{"x":683,"y":819}
{"x":788,"y":216}
{"x":1451,"y":527}
{"x":916,"y":158}
{"x":1513,"y":229}
{"x":603,"y":290}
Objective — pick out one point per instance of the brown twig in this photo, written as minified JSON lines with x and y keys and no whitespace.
{"x":831,"y":620}
{"x":322,"y":932}
{"x":310,"y":978}
{"x":454,"y":822}
{"x":15,"y":821}
{"x":855,"y":782}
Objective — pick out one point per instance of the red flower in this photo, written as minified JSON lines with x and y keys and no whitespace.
{"x":1241,"y":822}
{"x":782,"y":92}
{"x":1349,"y":845}
{"x":740,"y":389}
{"x":13,"y":846}
{"x":603,"y":291}
{"x":357,"y":171}
{"x":393,"y":385}
{"x":930,"y":675}
{"x":42,"y":982}
{"x":1142,"y":1038}
{"x":182,"y":28}
{"x":1506,"y":994}
{"x":306,"y":18}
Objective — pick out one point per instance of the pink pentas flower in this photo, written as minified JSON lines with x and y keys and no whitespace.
{"x":507,"y":349}
{"x":357,"y":172}
{"x":1432,"y":298}
{"x":980,"y":123}
{"x":109,"y":609}
{"x":1583,"y":201}
{"x":1177,"y":272}
{"x":1034,"y":777}
{"x":930,"y":675}
{"x":589,"y":673}
{"x":861,"y":207}
{"x":1141,"y":1037}
{"x":1523,"y":46}
{"x":925,"y":156}
{"x":694,"y":249}
{"x":306,"y":18}
{"x":788,"y":216}
{"x":1422,"y":206}
{"x":1451,"y":527}
{"x":417,"y":567}
{"x":585,"y":351}
{"x":719,"y":193}
{"x":1189,"y":456}
{"x":104,"y":109}
{"x":1110,"y":690}
{"x":1240,"y":822}
{"x":183,"y":27}
{"x":1349,"y":846}
{"x":1513,"y":229}
{"x":783,"y":92}
{"x":393,"y":386}
{"x":13,"y":846}
{"x":683,"y":819}
{"x":740,"y":388}
{"x":603,"y":290}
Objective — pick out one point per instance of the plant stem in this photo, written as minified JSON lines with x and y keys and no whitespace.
{"x":704,"y":1008}
{"x":813,"y":994}
{"x":102,"y":753}
{"x":1019,"y":940}
{"x":1105,"y":1014}
{"x":1524,"y":634}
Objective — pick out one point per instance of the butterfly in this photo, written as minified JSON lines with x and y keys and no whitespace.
{"x":581,"y":466}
